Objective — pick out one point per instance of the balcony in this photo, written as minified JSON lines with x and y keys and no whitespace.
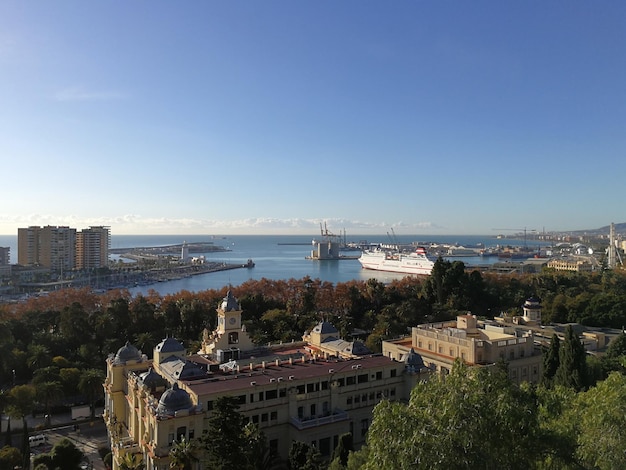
{"x":306,"y":423}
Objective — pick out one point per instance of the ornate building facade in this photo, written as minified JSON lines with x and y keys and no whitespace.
{"x":311,"y":391}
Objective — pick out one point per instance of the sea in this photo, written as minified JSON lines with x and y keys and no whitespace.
{"x":282,"y":257}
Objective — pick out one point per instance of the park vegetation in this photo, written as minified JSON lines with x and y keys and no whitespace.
{"x":53,"y":350}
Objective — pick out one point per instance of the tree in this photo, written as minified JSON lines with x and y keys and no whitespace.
{"x":304,"y":457}
{"x":599,"y":416}
{"x":572,"y":371}
{"x":471,"y":418}
{"x":132,"y":462}
{"x":223,"y":440}
{"x":48,"y":392}
{"x":22,"y":404}
{"x":90,"y":384}
{"x":184,"y":454}
{"x":66,"y":455}
{"x":551,"y":360}
{"x":343,"y":449}
{"x":10,"y":457}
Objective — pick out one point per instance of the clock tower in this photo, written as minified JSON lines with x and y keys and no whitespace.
{"x":228,"y":315}
{"x":230,"y":336}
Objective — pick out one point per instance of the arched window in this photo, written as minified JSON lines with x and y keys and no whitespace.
{"x":233,"y":338}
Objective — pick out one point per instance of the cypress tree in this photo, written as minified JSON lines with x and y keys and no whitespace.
{"x":572,"y":371}
{"x":551,"y":360}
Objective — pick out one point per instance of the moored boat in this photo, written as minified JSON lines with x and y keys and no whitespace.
{"x":409,"y":262}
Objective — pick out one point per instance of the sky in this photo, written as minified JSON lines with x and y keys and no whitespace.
{"x":272,"y":117}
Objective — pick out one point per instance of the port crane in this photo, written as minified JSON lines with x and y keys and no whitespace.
{"x":518,"y":230}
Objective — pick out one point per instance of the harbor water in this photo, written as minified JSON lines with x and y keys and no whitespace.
{"x":282,"y":257}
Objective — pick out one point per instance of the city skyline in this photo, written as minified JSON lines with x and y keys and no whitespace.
{"x":275,"y":117}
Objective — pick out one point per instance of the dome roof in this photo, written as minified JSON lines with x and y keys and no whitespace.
{"x":151,"y":379}
{"x":414,"y":362}
{"x":230,"y":302}
{"x":174,"y":399}
{"x":128,"y":352}
{"x":324,"y":328}
{"x":169,"y":345}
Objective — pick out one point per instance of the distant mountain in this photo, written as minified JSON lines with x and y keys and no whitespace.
{"x":619,"y":228}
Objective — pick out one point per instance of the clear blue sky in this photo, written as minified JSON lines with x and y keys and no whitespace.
{"x":220,"y":117}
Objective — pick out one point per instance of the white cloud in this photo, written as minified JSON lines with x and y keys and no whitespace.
{"x":136,"y":224}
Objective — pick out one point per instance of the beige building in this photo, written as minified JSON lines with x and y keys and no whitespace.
{"x":63,"y":248}
{"x":297,"y":392}
{"x":50,"y":247}
{"x":578,"y":264}
{"x":92,"y":247}
{"x":475,"y":343}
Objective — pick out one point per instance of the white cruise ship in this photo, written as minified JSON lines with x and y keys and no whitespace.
{"x":414,"y":262}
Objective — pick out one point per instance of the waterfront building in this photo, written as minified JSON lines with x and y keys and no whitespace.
{"x":477,"y":344}
{"x":92,"y":247}
{"x":300,"y":391}
{"x":577,"y":264}
{"x":63,"y":248}
{"x":51,"y":247}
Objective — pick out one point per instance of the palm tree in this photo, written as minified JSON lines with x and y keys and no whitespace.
{"x":183,"y":455}
{"x":132,"y":462}
{"x":48,"y":392}
{"x":22,"y":403}
{"x":90,"y":384}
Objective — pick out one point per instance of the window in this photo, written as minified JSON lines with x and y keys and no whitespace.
{"x":511,"y":354}
{"x":350,"y":380}
{"x":349,"y":401}
{"x":379,"y":375}
{"x":301,"y":389}
{"x":325,"y":446}
{"x":170,"y":438}
{"x":255,"y":419}
{"x":364,"y":426}
{"x":273,"y":416}
{"x":242,"y":399}
{"x":273,"y":446}
{"x":252,"y":398}
{"x":362,"y":378}
{"x":393,"y":372}
{"x":310,"y":387}
{"x":264,"y":418}
{"x":301,"y":412}
{"x":261,"y":396}
{"x":313,"y":410}
{"x":282,"y":393}
{"x":233,"y":338}
{"x":191,"y":433}
{"x":271,"y":394}
{"x":181,"y":433}
{"x":325,"y":385}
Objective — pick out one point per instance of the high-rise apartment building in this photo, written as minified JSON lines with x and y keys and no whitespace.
{"x":5,"y":255}
{"x":49,"y":246}
{"x":92,"y":247}
{"x":63,"y":248}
